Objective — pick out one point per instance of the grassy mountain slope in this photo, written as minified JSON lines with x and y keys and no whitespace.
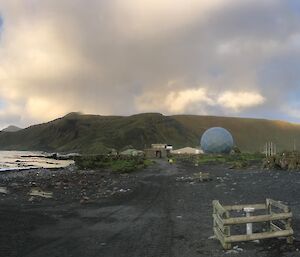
{"x":95,"y":134}
{"x":92,"y":133}
{"x":249,"y":134}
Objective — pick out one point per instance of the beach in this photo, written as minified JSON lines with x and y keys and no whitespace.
{"x":158,"y":211}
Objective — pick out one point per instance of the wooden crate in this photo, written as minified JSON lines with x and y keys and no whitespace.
{"x":222,"y":222}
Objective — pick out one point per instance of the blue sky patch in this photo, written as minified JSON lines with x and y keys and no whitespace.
{"x":294,"y":5}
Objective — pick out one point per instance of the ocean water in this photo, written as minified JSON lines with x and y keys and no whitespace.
{"x":20,"y":160}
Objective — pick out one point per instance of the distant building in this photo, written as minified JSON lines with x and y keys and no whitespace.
{"x":158,"y":151}
{"x":158,"y":146}
{"x":169,"y":147}
{"x":187,"y":150}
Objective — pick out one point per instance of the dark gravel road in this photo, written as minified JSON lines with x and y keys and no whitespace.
{"x":160,"y":216}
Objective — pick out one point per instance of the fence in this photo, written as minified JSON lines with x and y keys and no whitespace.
{"x":276,"y":216}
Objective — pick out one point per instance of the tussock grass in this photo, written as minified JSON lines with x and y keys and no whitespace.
{"x":121,"y":164}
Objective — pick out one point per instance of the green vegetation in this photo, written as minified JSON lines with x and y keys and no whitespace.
{"x":235,"y":160}
{"x":94,"y":134}
{"x":285,"y":161}
{"x":119,"y":164}
{"x":243,"y":157}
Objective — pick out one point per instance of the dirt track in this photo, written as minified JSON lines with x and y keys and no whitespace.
{"x":159,"y":216}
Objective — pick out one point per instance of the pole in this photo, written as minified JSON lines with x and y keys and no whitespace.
{"x":249,"y":227}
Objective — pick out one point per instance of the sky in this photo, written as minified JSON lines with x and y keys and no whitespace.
{"x":120,"y":57}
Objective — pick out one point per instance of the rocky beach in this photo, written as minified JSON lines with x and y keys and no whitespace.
{"x":163,"y":210}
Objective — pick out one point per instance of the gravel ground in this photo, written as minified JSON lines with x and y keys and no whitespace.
{"x":150,"y":213}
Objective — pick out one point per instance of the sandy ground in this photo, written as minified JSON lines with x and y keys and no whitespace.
{"x":151,"y":213}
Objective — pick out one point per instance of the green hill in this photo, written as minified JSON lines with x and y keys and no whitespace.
{"x":95,"y":134}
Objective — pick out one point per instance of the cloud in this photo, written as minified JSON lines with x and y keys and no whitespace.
{"x":120,"y":57}
{"x":199,"y":100}
{"x":152,"y":18}
{"x":239,"y":100}
{"x":179,"y":101}
{"x":175,"y":101}
{"x":45,"y":110}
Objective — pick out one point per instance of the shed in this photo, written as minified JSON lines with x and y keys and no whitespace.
{"x":156,"y":153}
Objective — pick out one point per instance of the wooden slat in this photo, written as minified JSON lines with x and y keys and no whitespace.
{"x":219,"y":235}
{"x":282,"y":222}
{"x":275,"y":227}
{"x":219,"y":222}
{"x":218,"y":207}
{"x":258,"y":236}
{"x":278,"y":204}
{"x":255,"y":219}
{"x":240,"y":207}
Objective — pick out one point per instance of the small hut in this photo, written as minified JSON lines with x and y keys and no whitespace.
{"x":158,"y":151}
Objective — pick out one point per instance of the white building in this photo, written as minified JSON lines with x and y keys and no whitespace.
{"x":187,"y":150}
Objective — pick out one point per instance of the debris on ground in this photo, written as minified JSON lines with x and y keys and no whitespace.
{"x":202,"y":176}
{"x":85,"y":199}
{"x":124,"y":190}
{"x":212,"y":237}
{"x":36,"y":191}
{"x":3,"y":190}
{"x":184,"y":179}
{"x":235,"y":249}
{"x":197,"y":177}
{"x":31,"y":199}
